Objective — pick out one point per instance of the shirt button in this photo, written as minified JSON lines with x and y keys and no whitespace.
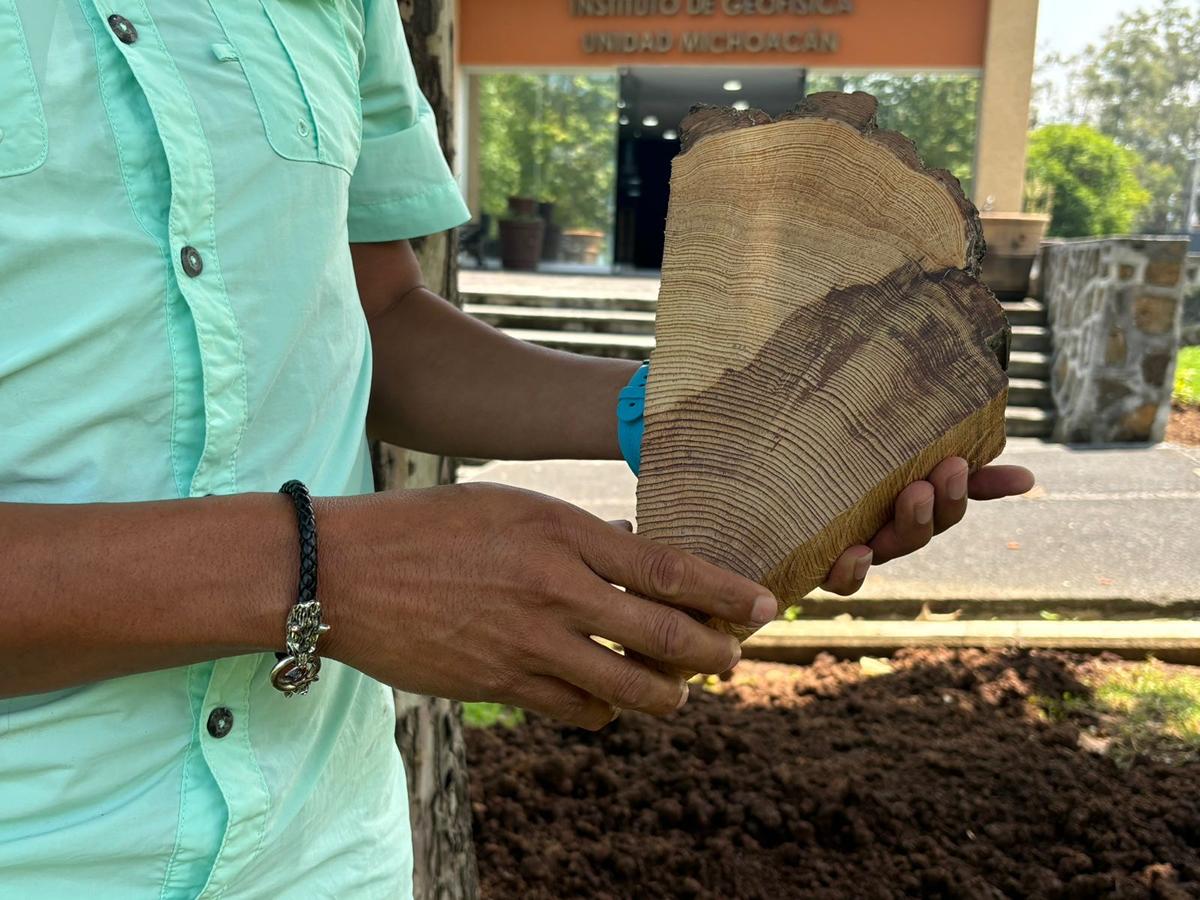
{"x":220,"y":722}
{"x":123,"y":29}
{"x":193,"y":263}
{"x":302,"y":128}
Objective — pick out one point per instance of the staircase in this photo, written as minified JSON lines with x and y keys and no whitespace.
{"x":623,"y":326}
{"x":1030,"y":410}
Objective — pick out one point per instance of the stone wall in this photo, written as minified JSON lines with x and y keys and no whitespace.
{"x":1115,"y":307}
{"x":1191,"y":303}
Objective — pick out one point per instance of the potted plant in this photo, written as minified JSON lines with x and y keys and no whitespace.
{"x":1013,"y":240}
{"x":582,"y":246}
{"x":522,"y":231}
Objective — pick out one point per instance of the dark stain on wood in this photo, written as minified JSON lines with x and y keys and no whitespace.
{"x":917,"y":341}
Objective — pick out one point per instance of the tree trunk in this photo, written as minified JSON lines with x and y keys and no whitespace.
{"x":429,"y":729}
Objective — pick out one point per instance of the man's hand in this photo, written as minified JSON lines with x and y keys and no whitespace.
{"x":482,"y":592}
{"x":923,"y":509}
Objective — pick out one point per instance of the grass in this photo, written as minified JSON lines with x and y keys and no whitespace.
{"x":1147,"y":710}
{"x":1153,"y":700}
{"x":485,"y":715}
{"x":1187,"y":377}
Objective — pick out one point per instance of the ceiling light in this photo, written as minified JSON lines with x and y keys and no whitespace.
{"x":620,"y":104}
{"x":741,"y":104}
{"x":670,"y":134}
{"x":732,"y":85}
{"x":650,"y":121}
{"x":624,"y":120}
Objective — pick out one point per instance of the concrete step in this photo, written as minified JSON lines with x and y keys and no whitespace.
{"x":601,"y":321}
{"x":555,"y":301}
{"x":1020,"y":420}
{"x":1029,"y":364}
{"x":1024,"y":312}
{"x":1031,"y":337}
{"x":1028,"y":421}
{"x":1029,"y":371}
{"x":621,"y":346}
{"x":594,"y":324}
{"x":1171,"y":640}
{"x":1029,"y":392}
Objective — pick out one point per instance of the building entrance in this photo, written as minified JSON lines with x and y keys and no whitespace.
{"x":652,"y":102}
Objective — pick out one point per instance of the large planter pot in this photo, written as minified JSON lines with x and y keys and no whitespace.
{"x":582,"y":246}
{"x":1012,"y":246}
{"x":521,"y":235}
{"x":523,"y":207}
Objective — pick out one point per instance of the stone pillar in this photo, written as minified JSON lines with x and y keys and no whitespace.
{"x":1115,"y":306}
{"x":1004,"y":104}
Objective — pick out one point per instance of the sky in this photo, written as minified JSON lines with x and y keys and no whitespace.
{"x":1067,"y":26}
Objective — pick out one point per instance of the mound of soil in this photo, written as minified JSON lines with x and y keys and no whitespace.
{"x":938,"y":780}
{"x":1183,"y":427}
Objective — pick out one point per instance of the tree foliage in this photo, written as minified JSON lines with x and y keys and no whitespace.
{"x":1141,"y":86}
{"x":938,"y":112}
{"x":552,"y":137}
{"x":1093,"y":180}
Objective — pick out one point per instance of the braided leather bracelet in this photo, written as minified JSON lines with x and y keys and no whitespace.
{"x":300,"y":665}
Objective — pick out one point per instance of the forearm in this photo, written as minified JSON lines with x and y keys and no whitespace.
{"x":446,"y":383}
{"x":100,"y":590}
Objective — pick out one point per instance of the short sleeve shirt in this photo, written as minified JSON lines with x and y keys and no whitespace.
{"x":179,"y":185}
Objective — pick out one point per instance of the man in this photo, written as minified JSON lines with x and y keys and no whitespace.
{"x":203,"y":220}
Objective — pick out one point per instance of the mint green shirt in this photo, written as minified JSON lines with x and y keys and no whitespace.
{"x":178,"y":317}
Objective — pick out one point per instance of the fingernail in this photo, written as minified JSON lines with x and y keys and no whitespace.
{"x":622,"y":524}
{"x":766,"y":608}
{"x":616,"y":714}
{"x":683,"y":697}
{"x":862,"y":565}
{"x":737,"y":653}
{"x":956,"y":487}
{"x":924,"y":512}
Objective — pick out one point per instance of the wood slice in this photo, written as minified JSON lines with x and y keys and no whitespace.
{"x":822,"y":340}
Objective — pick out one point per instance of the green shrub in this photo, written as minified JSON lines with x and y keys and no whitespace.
{"x":1187,"y":377}
{"x":1093,"y":180}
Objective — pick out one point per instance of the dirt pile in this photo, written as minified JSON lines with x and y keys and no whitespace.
{"x":938,"y":780}
{"x":1183,"y":427}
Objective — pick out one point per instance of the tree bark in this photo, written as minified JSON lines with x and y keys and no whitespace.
{"x":429,"y":729}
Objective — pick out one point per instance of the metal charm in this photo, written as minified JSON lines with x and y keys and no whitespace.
{"x":296,"y":671}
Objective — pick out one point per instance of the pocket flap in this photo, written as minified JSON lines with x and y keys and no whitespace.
{"x":22,"y":120}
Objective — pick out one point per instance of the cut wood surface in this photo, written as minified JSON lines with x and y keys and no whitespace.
{"x":822,"y":340}
{"x":1171,"y":640}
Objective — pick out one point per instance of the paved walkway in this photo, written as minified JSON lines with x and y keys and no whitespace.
{"x":1120,"y":523}
{"x":534,"y":284}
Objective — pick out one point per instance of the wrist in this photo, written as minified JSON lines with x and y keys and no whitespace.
{"x":256,"y":575}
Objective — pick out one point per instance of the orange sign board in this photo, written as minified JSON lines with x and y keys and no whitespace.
{"x":844,"y":34}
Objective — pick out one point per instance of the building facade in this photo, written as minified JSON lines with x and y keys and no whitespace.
{"x":576,"y":103}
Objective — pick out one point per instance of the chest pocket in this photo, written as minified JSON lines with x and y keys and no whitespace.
{"x":303,"y":77}
{"x":23,"y":141}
